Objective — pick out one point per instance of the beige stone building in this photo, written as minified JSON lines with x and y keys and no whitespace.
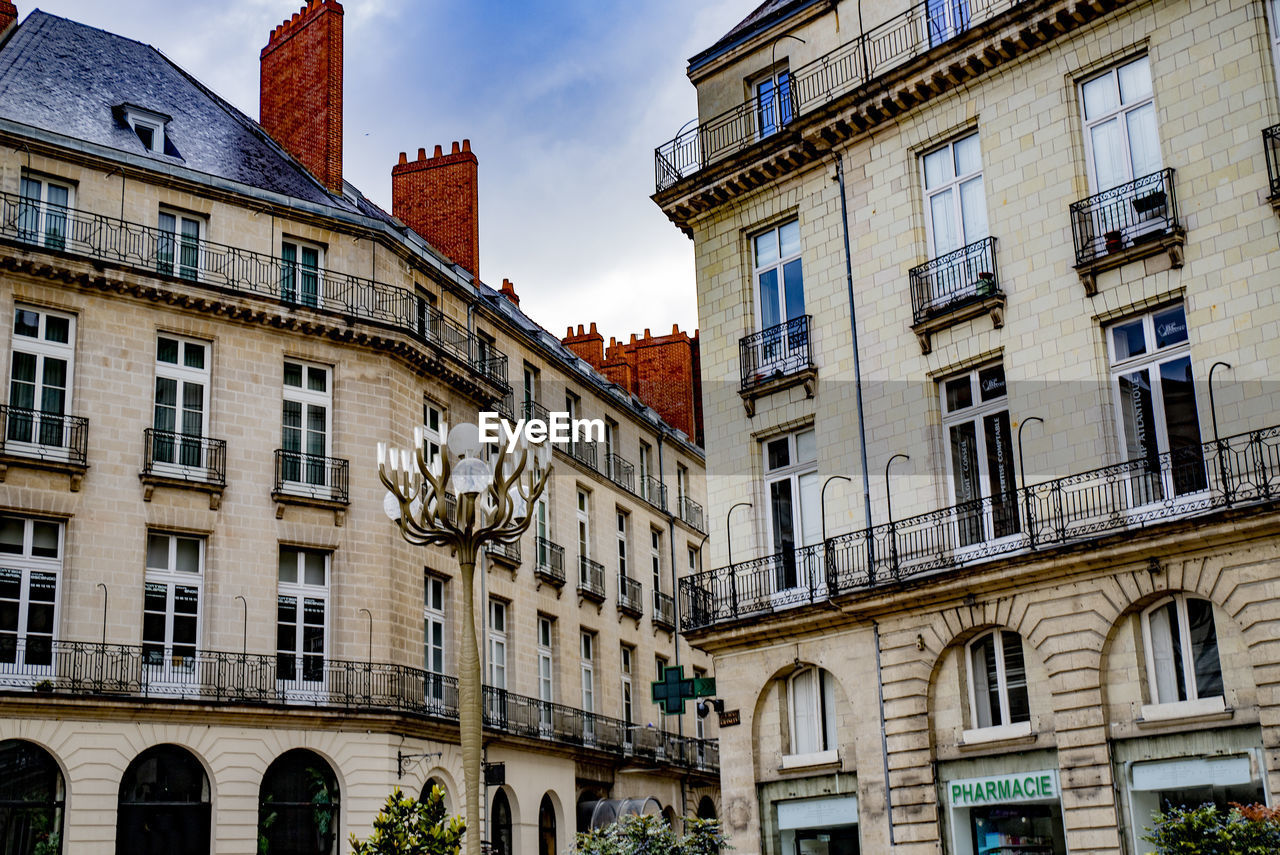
{"x":211,"y":637}
{"x":988,"y":335}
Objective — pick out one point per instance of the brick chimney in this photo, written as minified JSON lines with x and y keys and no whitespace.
{"x":438,"y":197}
{"x":509,"y":291}
{"x":588,"y":344}
{"x":301,"y":98}
{"x":8,"y":15}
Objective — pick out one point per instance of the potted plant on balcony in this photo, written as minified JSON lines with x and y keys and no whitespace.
{"x":986,"y":284}
{"x":1114,"y":239}
{"x":1149,"y":205}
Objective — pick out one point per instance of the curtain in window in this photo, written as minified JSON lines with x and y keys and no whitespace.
{"x":804,"y":712}
{"x":1166,"y":653}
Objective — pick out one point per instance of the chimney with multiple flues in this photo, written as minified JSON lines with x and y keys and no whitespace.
{"x":8,"y":15}
{"x":439,"y":198}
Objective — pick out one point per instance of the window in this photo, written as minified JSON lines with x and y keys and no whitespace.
{"x":501,"y":826}
{"x":587,"y":664}
{"x":531,"y":383}
{"x":427,"y":314}
{"x":1273,"y":16}
{"x":546,"y":664}
{"x":946,"y":19}
{"x":149,"y":126}
{"x":1121,"y":141}
{"x":171,"y":601}
{"x":30,"y":566}
{"x":542,"y":528}
{"x":623,"y":520}
{"x":178,"y":239}
{"x":791,"y":487}
{"x":497,"y":644}
{"x":647,"y":491}
{"x":655,"y":557}
{"x":811,"y":710}
{"x":1182,"y":647}
{"x":298,"y":806}
{"x":627,"y":654}
{"x":33,"y":799}
{"x":584,"y":524}
{"x":40,"y":374}
{"x":433,"y":427}
{"x":305,"y":435}
{"x":695,"y":560}
{"x":165,"y":787}
{"x":772,"y":95}
{"x":44,"y":211}
{"x":700,"y":722}
{"x":660,"y":665}
{"x":182,"y":400}
{"x":954,"y":198}
{"x":1156,"y":404}
{"x":779,"y":276}
{"x":487,"y":356}
{"x":302,"y":616}
{"x":571,"y":404}
{"x":301,"y":273}
{"x":433,"y":633}
{"x":997,"y":680}
{"x":682,"y":484}
{"x":979,"y":452}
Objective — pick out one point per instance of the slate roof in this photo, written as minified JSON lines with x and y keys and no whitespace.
{"x":763,"y":16}
{"x":65,"y":77}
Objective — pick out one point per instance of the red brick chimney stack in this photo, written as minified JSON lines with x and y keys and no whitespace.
{"x":301,"y":98}
{"x":588,"y":344}
{"x":8,"y":15}
{"x":439,"y":198}
{"x":509,"y":291}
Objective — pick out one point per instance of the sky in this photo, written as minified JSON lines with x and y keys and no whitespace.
{"x":563,"y":101}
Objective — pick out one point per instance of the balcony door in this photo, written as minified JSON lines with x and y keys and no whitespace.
{"x":791,"y":484}
{"x":40,"y":372}
{"x":780,"y":303}
{"x":980,"y":453}
{"x":181,"y":405}
{"x":304,"y":436}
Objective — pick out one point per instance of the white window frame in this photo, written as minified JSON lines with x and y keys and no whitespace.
{"x":499,"y":614}
{"x":976,"y":414}
{"x":1120,"y":113}
{"x":781,"y":108}
{"x":584,"y":523}
{"x":794,"y":471}
{"x":25,"y":563}
{"x":1273,"y":22}
{"x":292,"y":271}
{"x":956,"y":18}
{"x":42,"y":349}
{"x":1193,"y":704}
{"x":300,"y":688}
{"x":646,"y":461}
{"x":660,"y":664}
{"x":434,"y":424}
{"x":182,"y":462}
{"x":48,"y":216}
{"x":156,"y":123}
{"x":624,"y":526}
{"x":546,"y":672}
{"x":307,"y":398}
{"x":172,"y":234}
{"x":586,"y":651}
{"x":626,"y":658}
{"x":822,"y":721}
{"x":954,"y":182}
{"x":778,"y":264}
{"x":655,"y":557}
{"x":172,"y":665}
{"x":435,"y":617}
{"x":682,"y":485}
{"x":1002,"y":725}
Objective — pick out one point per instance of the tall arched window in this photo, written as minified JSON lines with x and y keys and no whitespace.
{"x":997,"y":680}
{"x":426,"y":791}
{"x":1182,"y":650}
{"x":298,"y":806}
{"x":811,"y":706}
{"x":32,"y":798}
{"x":164,"y":804}
{"x":546,"y":827}
{"x":500,"y":830}
{"x":706,"y":808}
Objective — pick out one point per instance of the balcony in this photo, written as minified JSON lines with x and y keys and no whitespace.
{"x":44,"y":441}
{"x":310,"y":479}
{"x":582,"y":451}
{"x":620,"y":472}
{"x":506,"y":406}
{"x":630,"y":596}
{"x":548,"y":563}
{"x":664,"y":611}
{"x":507,"y":553}
{"x":1237,"y":472}
{"x":1271,"y":146}
{"x":956,"y":287}
{"x":180,"y":460}
{"x":654,"y":492}
{"x":590,"y":580}
{"x":1127,"y":223}
{"x":151,"y":251}
{"x":81,"y":670}
{"x":691,"y":512}
{"x":776,"y":358}
{"x":533,"y":410}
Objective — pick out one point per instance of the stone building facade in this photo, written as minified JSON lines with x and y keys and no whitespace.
{"x":987,"y":312}
{"x":211,"y":637}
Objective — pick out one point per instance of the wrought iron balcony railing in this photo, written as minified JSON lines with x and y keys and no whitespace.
{"x":531,"y":409}
{"x":778,"y":351}
{"x":79,"y":669}
{"x":1187,"y":482}
{"x":549,"y":561}
{"x":954,"y":279}
{"x":907,"y":35}
{"x":1115,"y":219}
{"x":590,"y":579}
{"x":202,"y":262}
{"x":620,"y":472}
{"x":44,"y":436}
{"x":653,"y":491}
{"x":691,"y":512}
{"x":509,"y":552}
{"x":630,"y":596}
{"x":1271,"y":145}
{"x":664,"y":610}
{"x":506,"y":406}
{"x":311,"y":476}
{"x":582,"y":451}
{"x":183,"y":457}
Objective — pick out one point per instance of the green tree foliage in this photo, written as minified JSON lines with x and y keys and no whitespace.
{"x":651,"y":835}
{"x":406,"y":826}
{"x":1207,"y":830}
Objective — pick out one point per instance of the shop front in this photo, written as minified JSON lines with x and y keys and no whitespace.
{"x":822,"y":826}
{"x":1010,"y":814}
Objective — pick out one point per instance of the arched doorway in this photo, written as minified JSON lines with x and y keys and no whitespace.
{"x":32,"y":799}
{"x":706,"y":808}
{"x":546,"y":827}
{"x":298,"y":806}
{"x":500,"y":828}
{"x":164,"y":804}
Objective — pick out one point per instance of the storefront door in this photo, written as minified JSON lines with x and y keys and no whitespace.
{"x":1014,"y":814}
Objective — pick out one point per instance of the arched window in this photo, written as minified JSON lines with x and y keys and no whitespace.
{"x":32,"y":798}
{"x":1182,"y":650}
{"x":706,"y":808}
{"x":164,"y":804}
{"x":298,"y":806}
{"x":426,"y":791}
{"x":500,"y":830}
{"x":811,"y":707}
{"x":546,"y":827}
{"x":997,"y":680}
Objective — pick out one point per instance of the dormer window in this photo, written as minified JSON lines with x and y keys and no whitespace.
{"x":149,"y":126}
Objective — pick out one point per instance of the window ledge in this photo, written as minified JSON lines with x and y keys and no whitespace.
{"x":74,"y":470}
{"x":816,"y":758}
{"x":151,"y":480}
{"x":283,"y":497}
{"x":999,"y":733}
{"x":766,"y":385}
{"x":992,"y":305}
{"x":1170,"y":242}
{"x":1183,"y":711}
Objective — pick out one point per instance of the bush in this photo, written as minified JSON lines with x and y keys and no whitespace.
{"x":1208,"y":830}
{"x":651,"y":835}
{"x":406,"y":826}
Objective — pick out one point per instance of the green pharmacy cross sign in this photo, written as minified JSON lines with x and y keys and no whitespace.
{"x":674,"y":689}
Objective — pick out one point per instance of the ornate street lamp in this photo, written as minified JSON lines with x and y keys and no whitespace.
{"x":458,"y":500}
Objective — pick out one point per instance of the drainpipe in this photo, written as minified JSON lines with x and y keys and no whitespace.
{"x":884,"y":738}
